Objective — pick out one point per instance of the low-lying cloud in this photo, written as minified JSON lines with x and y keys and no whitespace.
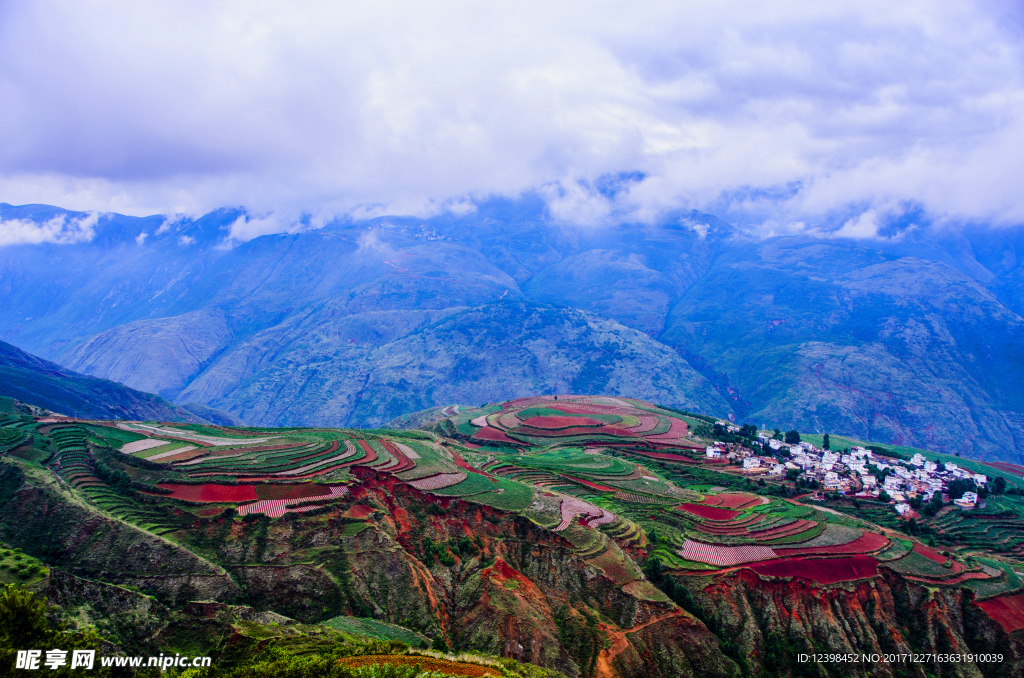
{"x":768,"y":113}
{"x":60,"y":230}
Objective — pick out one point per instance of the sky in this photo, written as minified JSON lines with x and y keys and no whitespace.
{"x":837,"y":116}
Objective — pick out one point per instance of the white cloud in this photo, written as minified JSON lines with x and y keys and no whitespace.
{"x":141,"y":237}
{"x":376,"y":108}
{"x":59,"y":230}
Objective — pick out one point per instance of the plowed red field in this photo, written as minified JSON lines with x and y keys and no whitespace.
{"x":303,"y":491}
{"x":709,"y":512}
{"x":733,"y":501}
{"x":491,"y":434}
{"x":930,"y":553}
{"x":1009,"y":468}
{"x":555,"y":422}
{"x":426,"y":663}
{"x":591,"y":485}
{"x":209,"y":493}
{"x":1007,"y":610}
{"x":821,"y":570}
{"x":869,"y":542}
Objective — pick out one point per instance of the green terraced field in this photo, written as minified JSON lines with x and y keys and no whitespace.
{"x":376,"y":629}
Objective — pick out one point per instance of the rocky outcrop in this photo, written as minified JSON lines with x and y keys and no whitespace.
{"x":771,"y":622}
{"x":47,"y":522}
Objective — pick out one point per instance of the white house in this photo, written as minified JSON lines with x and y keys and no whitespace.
{"x":893,"y":483}
{"x":869,"y":480}
{"x":930,"y":466}
{"x":831,"y":481}
{"x":917,"y":460}
{"x":968,"y":501}
{"x":980,"y":479}
{"x":712,"y":453}
{"x":751,"y":463}
{"x":903,"y":509}
{"x":778,"y":469}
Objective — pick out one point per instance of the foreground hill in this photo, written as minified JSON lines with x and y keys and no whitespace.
{"x":44,"y":384}
{"x":911,"y":340}
{"x":584,"y":534}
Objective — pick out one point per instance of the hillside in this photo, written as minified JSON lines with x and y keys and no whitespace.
{"x":44,"y":384}
{"x":910,"y":341}
{"x":587,"y":535}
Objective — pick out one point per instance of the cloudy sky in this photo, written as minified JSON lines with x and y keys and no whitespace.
{"x":778,"y":113}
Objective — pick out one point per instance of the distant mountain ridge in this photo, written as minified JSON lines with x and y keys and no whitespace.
{"x":913,"y":340}
{"x":39,"y":382}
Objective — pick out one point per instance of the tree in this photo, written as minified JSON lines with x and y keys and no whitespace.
{"x":883,"y":496}
{"x":748,"y":431}
{"x":792,"y":474}
{"x":999,"y":485}
{"x":825,"y":442}
{"x":792,"y":437}
{"x":24,"y":626}
{"x":776,"y":434}
{"x":959,"y":486}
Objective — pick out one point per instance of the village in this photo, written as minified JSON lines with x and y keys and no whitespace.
{"x":856,"y":472}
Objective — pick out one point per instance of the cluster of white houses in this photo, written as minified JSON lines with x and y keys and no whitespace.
{"x":848,"y":472}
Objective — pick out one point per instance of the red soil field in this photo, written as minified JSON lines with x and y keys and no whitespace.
{"x":528,"y":430}
{"x":1007,"y":610}
{"x":304,"y":491}
{"x":461,"y":463}
{"x":950,"y":580}
{"x":709,"y":512}
{"x":930,"y":553}
{"x":210,"y":493}
{"x":721,"y":531}
{"x":617,"y":431}
{"x":441,"y":666}
{"x":358,"y":511}
{"x":405,"y":462}
{"x":551,"y":422}
{"x":1009,"y":468}
{"x":821,"y":570}
{"x":738,"y":499}
{"x":784,"y":531}
{"x":711,"y":500}
{"x":664,"y":456}
{"x":593,"y":486}
{"x":869,"y":542}
{"x":678,"y":429}
{"x":491,"y":434}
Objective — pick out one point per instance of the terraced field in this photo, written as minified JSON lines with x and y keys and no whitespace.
{"x":573,"y":420}
{"x":598,"y":472}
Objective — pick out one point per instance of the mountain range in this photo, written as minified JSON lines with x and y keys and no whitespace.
{"x":912,"y":338}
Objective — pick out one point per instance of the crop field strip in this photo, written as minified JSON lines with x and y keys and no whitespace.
{"x":606,"y":498}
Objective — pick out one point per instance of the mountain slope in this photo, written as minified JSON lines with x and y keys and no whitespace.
{"x":45,"y":384}
{"x":368,"y":368}
{"x":914,"y":339}
{"x":897,"y":350}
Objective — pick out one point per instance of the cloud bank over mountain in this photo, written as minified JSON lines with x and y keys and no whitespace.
{"x":843,"y":115}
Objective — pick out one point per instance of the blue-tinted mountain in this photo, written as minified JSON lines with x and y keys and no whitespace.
{"x":915,"y":339}
{"x":39,"y":382}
